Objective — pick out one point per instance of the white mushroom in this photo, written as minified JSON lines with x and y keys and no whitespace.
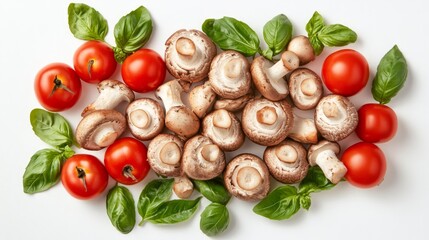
{"x":324,"y":154}
{"x":164,"y":155}
{"x":112,"y":93}
{"x":145,"y":118}
{"x":302,"y":47}
{"x":201,"y":99}
{"x":183,"y":187}
{"x":304,"y":130}
{"x":305,"y":88}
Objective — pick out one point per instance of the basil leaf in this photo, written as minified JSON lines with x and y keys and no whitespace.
{"x":86,"y":23}
{"x":391,"y":74}
{"x":213,"y":190}
{"x":44,"y":169}
{"x":173,"y":211}
{"x":51,"y":128}
{"x":315,"y":181}
{"x":316,"y":44}
{"x":315,"y":24}
{"x":277,"y":33}
{"x":132,"y":32}
{"x":120,"y":209}
{"x":155,"y":193}
{"x":336,"y":35}
{"x":214,"y":219}
{"x":305,"y":201}
{"x":282,"y":203}
{"x":230,"y":34}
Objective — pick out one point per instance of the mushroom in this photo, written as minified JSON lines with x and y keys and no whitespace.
{"x":287,"y":161}
{"x":304,"y":130}
{"x":301,"y":46}
{"x":324,"y":154}
{"x":268,"y":78}
{"x":179,"y":118}
{"x":99,"y":129}
{"x":247,"y":177}
{"x":164,"y":154}
{"x":335,"y":117}
{"x":224,"y":129}
{"x":188,"y":55}
{"x":201,"y":99}
{"x":230,"y":75}
{"x":112,"y":93}
{"x":183,"y":187}
{"x":265,"y":122}
{"x":233,"y":105}
{"x":202,"y":159}
{"x":145,"y":118}
{"x":305,"y":88}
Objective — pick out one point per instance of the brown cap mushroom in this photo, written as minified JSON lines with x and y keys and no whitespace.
{"x":145,"y":118}
{"x":188,"y":55}
{"x":268,"y":78}
{"x":287,"y":161}
{"x":230,"y":75}
{"x":304,"y":130}
{"x":265,"y":122}
{"x":247,"y":177}
{"x":178,"y":118}
{"x":164,"y":155}
{"x":324,"y":154}
{"x":224,"y":129}
{"x":112,"y":93}
{"x":233,"y":105}
{"x":183,"y":187}
{"x":201,"y":99}
{"x":335,"y":117}
{"x":302,"y":47}
{"x":305,"y":88}
{"x":202,"y":159}
{"x":99,"y":129}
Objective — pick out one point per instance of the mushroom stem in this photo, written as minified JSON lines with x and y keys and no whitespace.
{"x":330,"y":109}
{"x":140,"y":118}
{"x":170,"y":153}
{"x":276,"y":72}
{"x":170,"y":94}
{"x":185,"y":47}
{"x":210,"y":152}
{"x":105,"y":135}
{"x":183,"y":187}
{"x":248,"y":178}
{"x":233,"y":68}
{"x":331,"y":166}
{"x":127,"y":171}
{"x":221,"y":119}
{"x":266,"y":115}
{"x":304,"y":130}
{"x":309,"y":86}
{"x":286,"y":153}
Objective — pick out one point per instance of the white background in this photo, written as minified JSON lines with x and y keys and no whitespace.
{"x":35,"y":33}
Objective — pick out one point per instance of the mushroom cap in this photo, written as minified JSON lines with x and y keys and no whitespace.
{"x":202,"y":159}
{"x":224,"y":129}
{"x":229,"y":74}
{"x":182,"y":121}
{"x":305,"y":88}
{"x":261,"y":80}
{"x":324,"y":145}
{"x":169,"y":148}
{"x":197,"y":52}
{"x":201,"y":99}
{"x":301,"y":46}
{"x":287,"y":161}
{"x":145,"y":118}
{"x":246,"y":177}
{"x":335,"y":117}
{"x":278,"y":118}
{"x":100,"y":128}
{"x":233,"y":105}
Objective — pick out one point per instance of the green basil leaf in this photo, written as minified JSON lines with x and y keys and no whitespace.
{"x":305,"y":201}
{"x":391,"y":75}
{"x":213,"y":190}
{"x":277,"y":33}
{"x":336,"y":35}
{"x":133,"y":30}
{"x":315,"y":181}
{"x":86,"y":23}
{"x":315,"y":24}
{"x":121,"y":209}
{"x":44,"y":169}
{"x":156,"y":192}
{"x":52,"y":128}
{"x":230,"y":34}
{"x":282,"y":203}
{"x":214,"y":219}
{"x":316,"y":44}
{"x":173,"y":211}
{"x":268,"y":54}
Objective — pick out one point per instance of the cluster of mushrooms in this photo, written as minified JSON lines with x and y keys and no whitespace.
{"x":188,"y":139}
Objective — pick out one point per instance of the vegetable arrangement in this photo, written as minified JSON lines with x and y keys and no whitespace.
{"x":188,"y":143}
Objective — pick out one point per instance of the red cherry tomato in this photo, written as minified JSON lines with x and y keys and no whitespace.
{"x":377,"y":123}
{"x":57,"y":87}
{"x":84,"y":176}
{"x":94,"y":61}
{"x":365,"y":163}
{"x":126,"y":161}
{"x":345,"y":72}
{"x":143,"y":71}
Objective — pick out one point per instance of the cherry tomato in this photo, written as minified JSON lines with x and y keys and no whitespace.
{"x":365,"y":163}
{"x":345,"y":72}
{"x":84,"y":176}
{"x":377,"y":123}
{"x":143,"y":71}
{"x":126,"y":160}
{"x":94,"y":61}
{"x":57,"y":87}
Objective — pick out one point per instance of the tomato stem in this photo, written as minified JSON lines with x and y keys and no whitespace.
{"x":59,"y":84}
{"x":89,"y":66}
{"x":127,"y":172}
{"x":81,"y":175}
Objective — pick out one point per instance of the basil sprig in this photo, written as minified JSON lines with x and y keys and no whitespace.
{"x":86,"y":23}
{"x":391,"y":74}
{"x":277,"y":34}
{"x":284,"y":201}
{"x":121,"y":209}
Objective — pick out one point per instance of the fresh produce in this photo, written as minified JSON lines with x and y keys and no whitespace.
{"x":121,"y":208}
{"x":377,"y":123}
